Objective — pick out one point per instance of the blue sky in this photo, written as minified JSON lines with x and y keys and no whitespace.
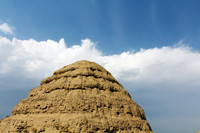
{"x":114,"y":23}
{"x":152,"y":47}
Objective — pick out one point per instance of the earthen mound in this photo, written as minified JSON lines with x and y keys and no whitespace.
{"x":79,"y":98}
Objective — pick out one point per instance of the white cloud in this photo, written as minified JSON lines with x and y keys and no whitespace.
{"x":7,"y":29}
{"x":151,"y":67}
{"x":39,"y":59}
{"x":172,"y":66}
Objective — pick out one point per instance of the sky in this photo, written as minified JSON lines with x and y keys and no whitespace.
{"x":151,"y":47}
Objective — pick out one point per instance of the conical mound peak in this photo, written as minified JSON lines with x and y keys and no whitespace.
{"x":81,"y":97}
{"x":83,"y":75}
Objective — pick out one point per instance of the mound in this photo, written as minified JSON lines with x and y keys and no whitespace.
{"x":79,"y":98}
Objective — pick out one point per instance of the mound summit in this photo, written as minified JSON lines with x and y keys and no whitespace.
{"x":79,"y":98}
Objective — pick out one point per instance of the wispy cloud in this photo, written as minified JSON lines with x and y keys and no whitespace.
{"x":7,"y":29}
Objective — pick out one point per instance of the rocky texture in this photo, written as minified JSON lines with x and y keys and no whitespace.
{"x":81,"y":97}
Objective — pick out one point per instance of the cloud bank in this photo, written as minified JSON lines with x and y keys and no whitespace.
{"x":7,"y":29}
{"x":165,"y":81}
{"x":36,"y":59}
{"x":171,"y":66}
{"x":157,"y":66}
